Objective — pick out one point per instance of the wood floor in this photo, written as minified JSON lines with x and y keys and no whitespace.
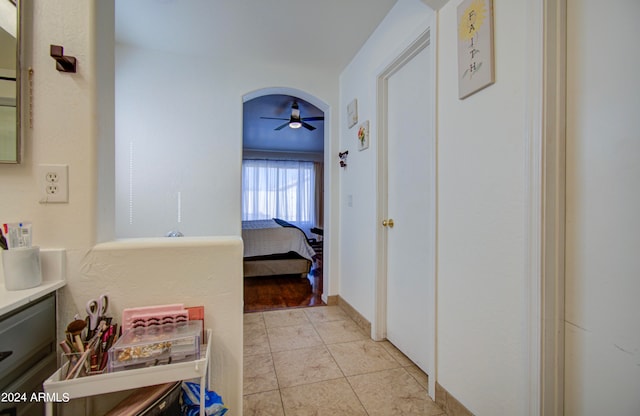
{"x":264,"y":293}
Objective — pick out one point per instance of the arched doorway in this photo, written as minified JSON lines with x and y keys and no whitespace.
{"x":274,"y":147}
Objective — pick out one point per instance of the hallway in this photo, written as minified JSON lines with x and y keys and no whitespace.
{"x":315,"y":361}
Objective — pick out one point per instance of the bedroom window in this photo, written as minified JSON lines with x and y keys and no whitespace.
{"x":279,"y":189}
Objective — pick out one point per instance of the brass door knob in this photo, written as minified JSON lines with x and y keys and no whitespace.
{"x":388,"y":223}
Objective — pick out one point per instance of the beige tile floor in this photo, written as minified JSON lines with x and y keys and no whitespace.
{"x":317,"y":361}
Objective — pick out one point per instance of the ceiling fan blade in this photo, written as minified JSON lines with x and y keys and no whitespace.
{"x":312,"y":118}
{"x":308,"y":126}
{"x":274,"y":118}
{"x":282,"y":126}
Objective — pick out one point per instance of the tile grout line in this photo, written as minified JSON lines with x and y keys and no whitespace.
{"x":314,"y":325}
{"x":326,"y":347}
{"x":273,"y":364}
{"x":348,"y":318}
{"x":356,"y":394}
{"x":400,"y":365}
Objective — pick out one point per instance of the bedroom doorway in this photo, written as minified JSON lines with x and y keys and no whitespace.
{"x":283,"y":186}
{"x":405,"y":304}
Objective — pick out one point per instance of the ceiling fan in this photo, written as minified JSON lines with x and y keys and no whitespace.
{"x":295,"y":121}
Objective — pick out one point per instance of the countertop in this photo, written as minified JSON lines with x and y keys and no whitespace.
{"x":13,"y":299}
{"x":53,"y":278}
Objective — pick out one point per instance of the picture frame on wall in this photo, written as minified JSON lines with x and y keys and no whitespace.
{"x":476,"y":66}
{"x":352,"y":113}
{"x":363,"y":136}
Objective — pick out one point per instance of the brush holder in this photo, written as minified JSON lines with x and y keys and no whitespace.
{"x":21,"y":267}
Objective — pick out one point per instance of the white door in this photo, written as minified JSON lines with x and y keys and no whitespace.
{"x":411,"y":207}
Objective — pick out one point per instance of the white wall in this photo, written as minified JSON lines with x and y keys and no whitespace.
{"x":185,"y":125}
{"x":482,"y":314}
{"x":602,"y":315}
{"x":481,"y":324}
{"x":69,"y":112}
{"x":358,"y":222}
{"x":185,"y":122}
{"x":62,"y":130}
{"x":192,"y":271}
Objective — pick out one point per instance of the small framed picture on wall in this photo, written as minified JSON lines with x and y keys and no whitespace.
{"x":352,"y":113}
{"x":363,"y":136}
{"x":475,"y":46}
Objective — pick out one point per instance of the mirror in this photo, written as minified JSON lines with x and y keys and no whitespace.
{"x":9,"y":81}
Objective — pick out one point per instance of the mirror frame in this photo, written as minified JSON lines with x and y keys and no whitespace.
{"x":18,"y":141}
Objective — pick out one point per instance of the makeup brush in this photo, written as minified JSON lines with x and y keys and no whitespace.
{"x":75,"y":371}
{"x":75,"y":328}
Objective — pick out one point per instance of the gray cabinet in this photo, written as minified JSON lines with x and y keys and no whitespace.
{"x":27,"y":356}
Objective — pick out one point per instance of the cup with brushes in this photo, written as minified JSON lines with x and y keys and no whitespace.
{"x":88,"y":340}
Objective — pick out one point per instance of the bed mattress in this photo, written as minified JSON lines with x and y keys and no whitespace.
{"x":267,"y":237}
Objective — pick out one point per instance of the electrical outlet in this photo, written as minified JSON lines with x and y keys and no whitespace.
{"x":54,"y":183}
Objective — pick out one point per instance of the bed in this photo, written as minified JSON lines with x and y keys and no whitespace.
{"x":275,"y":247}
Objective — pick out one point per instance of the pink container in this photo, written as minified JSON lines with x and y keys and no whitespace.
{"x":146,"y":316}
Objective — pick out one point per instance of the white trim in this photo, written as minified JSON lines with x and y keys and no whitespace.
{"x":379,"y":324}
{"x":544,"y":190}
{"x":554,"y":113}
{"x":533,"y":204}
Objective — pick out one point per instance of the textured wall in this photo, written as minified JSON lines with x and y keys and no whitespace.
{"x":193,"y":271}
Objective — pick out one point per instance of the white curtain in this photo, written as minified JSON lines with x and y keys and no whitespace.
{"x":279,"y":189}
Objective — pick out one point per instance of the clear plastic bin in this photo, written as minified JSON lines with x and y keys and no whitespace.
{"x":156,"y":345}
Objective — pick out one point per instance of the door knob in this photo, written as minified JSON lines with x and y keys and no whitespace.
{"x":387,"y":223}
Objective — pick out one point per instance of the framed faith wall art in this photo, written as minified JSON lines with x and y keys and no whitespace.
{"x":475,"y":46}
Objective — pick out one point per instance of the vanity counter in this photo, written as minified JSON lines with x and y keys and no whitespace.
{"x":11,"y":300}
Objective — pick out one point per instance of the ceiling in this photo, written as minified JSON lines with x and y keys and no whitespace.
{"x":259,"y":134}
{"x":325,"y":34}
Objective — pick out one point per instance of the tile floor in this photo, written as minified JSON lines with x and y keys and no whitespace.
{"x":317,"y":361}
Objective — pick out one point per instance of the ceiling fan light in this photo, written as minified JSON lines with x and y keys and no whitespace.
{"x":295,"y":124}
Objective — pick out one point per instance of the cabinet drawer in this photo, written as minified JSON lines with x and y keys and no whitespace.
{"x":28,"y":382}
{"x":25,"y":338}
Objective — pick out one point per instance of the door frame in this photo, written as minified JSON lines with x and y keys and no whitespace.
{"x":420,"y":42}
{"x":545,"y":147}
{"x":328,"y":286}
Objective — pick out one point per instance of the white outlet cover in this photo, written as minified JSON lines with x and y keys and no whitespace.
{"x":53,"y":183}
